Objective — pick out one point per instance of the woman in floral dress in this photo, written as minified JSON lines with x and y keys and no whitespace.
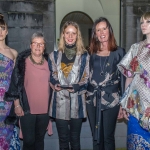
{"x":8,"y":133}
{"x":136,"y":100}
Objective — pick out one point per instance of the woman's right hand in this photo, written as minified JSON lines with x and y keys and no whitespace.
{"x":125,"y":114}
{"x":57,"y":87}
{"x":19,"y":111}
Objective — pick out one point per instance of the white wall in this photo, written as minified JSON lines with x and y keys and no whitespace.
{"x":94,"y":8}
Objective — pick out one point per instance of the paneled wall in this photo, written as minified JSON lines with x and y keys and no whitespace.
{"x":25,"y":17}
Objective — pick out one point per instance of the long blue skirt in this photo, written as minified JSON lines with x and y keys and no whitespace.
{"x":137,"y":137}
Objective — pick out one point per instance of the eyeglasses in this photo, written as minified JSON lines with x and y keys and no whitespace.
{"x":38,"y":44}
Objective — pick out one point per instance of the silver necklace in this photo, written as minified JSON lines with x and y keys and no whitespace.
{"x":102,"y":67}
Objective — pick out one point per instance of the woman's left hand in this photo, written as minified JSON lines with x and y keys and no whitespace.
{"x":71,"y":90}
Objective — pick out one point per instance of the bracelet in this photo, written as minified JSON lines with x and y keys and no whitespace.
{"x":17,"y":106}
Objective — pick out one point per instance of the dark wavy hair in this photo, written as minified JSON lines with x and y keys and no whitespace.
{"x":95,"y":44}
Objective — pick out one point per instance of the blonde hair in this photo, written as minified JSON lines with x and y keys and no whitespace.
{"x":79,"y":41}
{"x":145,"y":16}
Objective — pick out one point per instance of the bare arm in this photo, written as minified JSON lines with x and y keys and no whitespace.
{"x":128,"y":81}
{"x":15,"y":54}
{"x":123,"y":112}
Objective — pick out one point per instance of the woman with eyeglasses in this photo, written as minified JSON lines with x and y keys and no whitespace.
{"x":29,"y":90}
{"x":69,"y":68}
{"x":8,"y":133}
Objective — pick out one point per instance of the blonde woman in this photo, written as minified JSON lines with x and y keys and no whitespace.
{"x":69,"y":67}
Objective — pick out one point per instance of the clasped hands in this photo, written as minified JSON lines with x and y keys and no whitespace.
{"x":123,"y":114}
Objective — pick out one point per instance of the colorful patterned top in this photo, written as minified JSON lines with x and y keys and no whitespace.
{"x":136,"y":99}
{"x":6,"y":131}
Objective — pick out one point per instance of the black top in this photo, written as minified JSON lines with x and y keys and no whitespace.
{"x":65,"y":60}
{"x":99,"y":66}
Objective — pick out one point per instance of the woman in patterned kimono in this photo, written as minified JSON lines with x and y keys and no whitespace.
{"x":136,"y":99}
{"x":105,"y":86}
{"x":8,"y":133}
{"x":69,"y":67}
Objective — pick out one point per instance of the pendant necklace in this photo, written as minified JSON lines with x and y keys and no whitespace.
{"x":102,"y":67}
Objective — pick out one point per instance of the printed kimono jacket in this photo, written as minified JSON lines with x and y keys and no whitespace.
{"x":112,"y":87}
{"x":136,"y":99}
{"x":65,"y":105}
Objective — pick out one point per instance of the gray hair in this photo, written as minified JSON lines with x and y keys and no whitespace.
{"x":37,"y":35}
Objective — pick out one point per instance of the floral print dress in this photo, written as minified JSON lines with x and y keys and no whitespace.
{"x":136,"y":99}
{"x":8,"y":133}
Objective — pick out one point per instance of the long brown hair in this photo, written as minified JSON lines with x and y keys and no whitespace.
{"x":95,"y":44}
{"x":79,"y":42}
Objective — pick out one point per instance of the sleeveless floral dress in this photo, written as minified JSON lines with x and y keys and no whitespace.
{"x":8,"y":133}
